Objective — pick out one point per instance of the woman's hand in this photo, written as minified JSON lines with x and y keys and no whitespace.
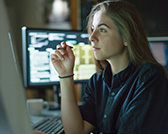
{"x":37,"y":132}
{"x":63,"y":60}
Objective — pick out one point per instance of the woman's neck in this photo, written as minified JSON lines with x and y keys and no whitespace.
{"x":118,"y":65}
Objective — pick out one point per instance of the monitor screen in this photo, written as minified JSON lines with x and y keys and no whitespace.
{"x":159,"y":47}
{"x":38,"y":44}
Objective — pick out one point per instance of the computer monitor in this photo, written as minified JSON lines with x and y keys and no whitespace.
{"x":159,"y":47}
{"x":14,"y":117}
{"x":38,"y":44}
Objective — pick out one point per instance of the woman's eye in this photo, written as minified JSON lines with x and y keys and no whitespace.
{"x":91,"y":29}
{"x":102,"y":30}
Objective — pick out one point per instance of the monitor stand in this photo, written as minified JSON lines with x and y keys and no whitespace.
{"x":57,"y":98}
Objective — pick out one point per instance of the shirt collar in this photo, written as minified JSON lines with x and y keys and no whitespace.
{"x":118,"y":78}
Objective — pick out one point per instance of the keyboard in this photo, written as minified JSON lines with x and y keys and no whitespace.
{"x":50,"y":125}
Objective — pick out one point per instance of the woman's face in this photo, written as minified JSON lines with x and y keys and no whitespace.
{"x":105,"y":38}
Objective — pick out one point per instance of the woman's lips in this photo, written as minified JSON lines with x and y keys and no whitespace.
{"x":95,"y":48}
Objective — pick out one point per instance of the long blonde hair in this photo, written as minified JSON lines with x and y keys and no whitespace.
{"x":130,"y":26}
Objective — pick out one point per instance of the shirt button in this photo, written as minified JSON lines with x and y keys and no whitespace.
{"x":105,"y":116}
{"x":112,"y":93}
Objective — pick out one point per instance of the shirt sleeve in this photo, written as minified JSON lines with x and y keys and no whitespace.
{"x":87,"y":109}
{"x":147,"y":110}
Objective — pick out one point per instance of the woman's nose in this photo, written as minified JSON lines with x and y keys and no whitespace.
{"x":93,"y":37}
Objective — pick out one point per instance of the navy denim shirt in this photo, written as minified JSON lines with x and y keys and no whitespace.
{"x":135,"y":103}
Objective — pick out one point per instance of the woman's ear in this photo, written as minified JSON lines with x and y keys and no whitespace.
{"x":125,"y":43}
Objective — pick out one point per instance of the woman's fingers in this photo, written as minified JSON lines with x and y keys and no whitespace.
{"x":59,"y":54}
{"x":62,"y":52}
{"x":54,"y":58}
{"x":62,"y":48}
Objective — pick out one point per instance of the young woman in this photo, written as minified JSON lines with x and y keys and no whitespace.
{"x":128,"y":94}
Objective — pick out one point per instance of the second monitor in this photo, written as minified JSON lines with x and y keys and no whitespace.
{"x":38,"y":44}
